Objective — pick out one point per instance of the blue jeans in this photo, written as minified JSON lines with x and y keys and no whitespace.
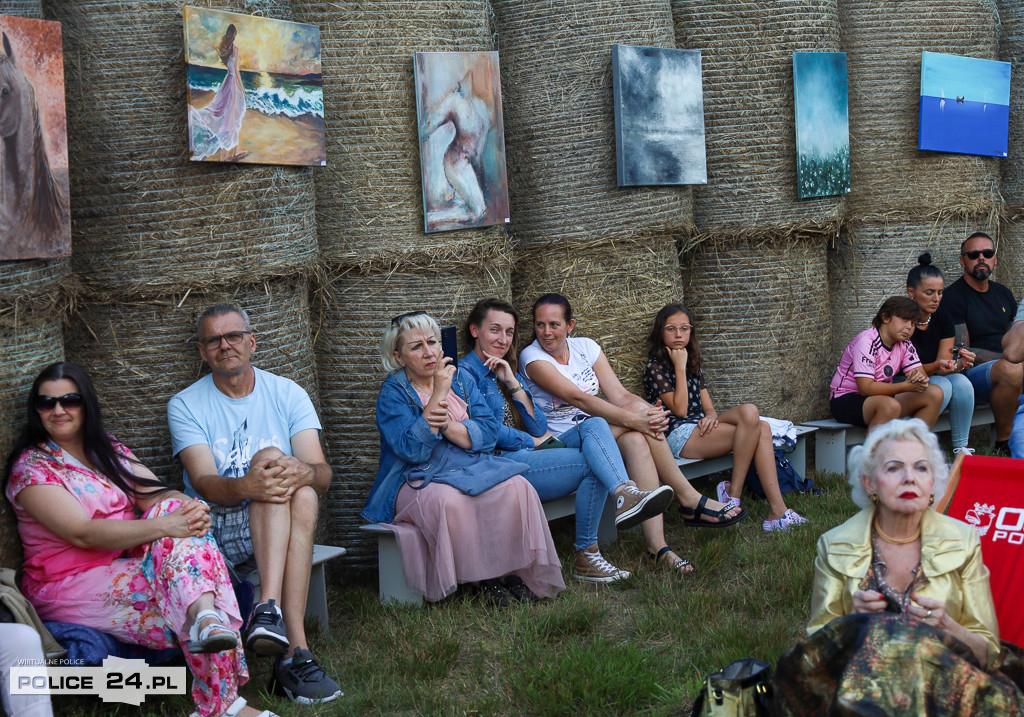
{"x":958,"y":394}
{"x":593,"y":473}
{"x":981,"y":377}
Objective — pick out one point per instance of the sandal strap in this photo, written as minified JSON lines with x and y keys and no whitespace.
{"x":236,"y":706}
{"x":661,"y":552}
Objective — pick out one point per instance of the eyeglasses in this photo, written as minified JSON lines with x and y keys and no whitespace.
{"x":972,"y":255}
{"x":232,"y":337}
{"x":682,"y":328}
{"x":45,"y":404}
{"x":397,"y":321}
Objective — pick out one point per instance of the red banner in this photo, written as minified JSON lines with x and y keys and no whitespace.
{"x":990,"y":496}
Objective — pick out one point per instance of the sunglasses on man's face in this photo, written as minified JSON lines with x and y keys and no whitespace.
{"x":69,"y":401}
{"x":973,"y":255}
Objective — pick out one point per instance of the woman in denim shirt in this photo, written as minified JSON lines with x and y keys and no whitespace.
{"x":586,"y":461}
{"x":430,"y":414}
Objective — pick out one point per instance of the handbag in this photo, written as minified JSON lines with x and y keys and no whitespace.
{"x":740,"y":689}
{"x":471,"y":473}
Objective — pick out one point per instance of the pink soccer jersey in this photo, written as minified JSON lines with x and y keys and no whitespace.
{"x":868,"y":356}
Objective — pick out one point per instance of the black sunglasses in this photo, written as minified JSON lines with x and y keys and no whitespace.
{"x":68,"y":400}
{"x":972,"y":255}
{"x":397,"y":321}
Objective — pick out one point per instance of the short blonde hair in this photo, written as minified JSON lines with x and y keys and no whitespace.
{"x":864,"y":459}
{"x":392,"y":334}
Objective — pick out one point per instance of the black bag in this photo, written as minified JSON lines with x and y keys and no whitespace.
{"x":789,"y":479}
{"x":740,"y":689}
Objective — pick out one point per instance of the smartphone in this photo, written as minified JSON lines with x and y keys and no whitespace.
{"x":956,"y":350}
{"x":450,"y":344}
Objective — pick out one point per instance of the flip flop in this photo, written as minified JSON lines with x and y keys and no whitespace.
{"x":691,"y":516}
{"x":679,"y":565}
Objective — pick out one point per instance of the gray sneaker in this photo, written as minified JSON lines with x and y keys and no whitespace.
{"x":266,"y":635}
{"x":302,"y":680}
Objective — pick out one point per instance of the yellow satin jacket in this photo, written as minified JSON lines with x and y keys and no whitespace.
{"x":950,"y":557}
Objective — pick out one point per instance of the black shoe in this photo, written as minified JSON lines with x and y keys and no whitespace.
{"x":494,"y":593}
{"x":1001,"y":448}
{"x":266,"y":635}
{"x":518,"y":590}
{"x":302,"y":680}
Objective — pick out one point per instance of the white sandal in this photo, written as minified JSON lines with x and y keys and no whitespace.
{"x":237,"y":707}
{"x":215,"y":637}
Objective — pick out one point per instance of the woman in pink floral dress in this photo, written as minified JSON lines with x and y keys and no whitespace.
{"x":159,"y":581}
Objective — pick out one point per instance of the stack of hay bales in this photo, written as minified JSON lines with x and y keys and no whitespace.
{"x":904,"y":201}
{"x":157,"y":238}
{"x":1010,"y":270}
{"x":34,"y":296}
{"x":611,"y":251}
{"x":755,"y":267}
{"x":379,"y":261}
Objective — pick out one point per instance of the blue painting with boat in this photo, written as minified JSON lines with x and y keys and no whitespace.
{"x":965,"y":105}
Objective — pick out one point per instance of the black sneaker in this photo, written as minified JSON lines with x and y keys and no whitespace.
{"x":1001,"y":448}
{"x":302,"y":680}
{"x":266,"y":635}
{"x":494,"y":593}
{"x":518,"y":590}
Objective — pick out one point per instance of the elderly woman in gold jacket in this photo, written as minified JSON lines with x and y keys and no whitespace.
{"x":902,"y":618}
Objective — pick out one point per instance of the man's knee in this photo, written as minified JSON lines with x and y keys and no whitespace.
{"x":1009,"y":374}
{"x":267,"y":454}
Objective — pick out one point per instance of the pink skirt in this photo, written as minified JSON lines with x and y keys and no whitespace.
{"x":447,"y":537}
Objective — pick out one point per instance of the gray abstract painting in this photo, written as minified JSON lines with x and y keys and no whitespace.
{"x":659,"y":116}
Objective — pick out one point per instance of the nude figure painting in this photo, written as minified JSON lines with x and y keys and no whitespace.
{"x":462,"y":143}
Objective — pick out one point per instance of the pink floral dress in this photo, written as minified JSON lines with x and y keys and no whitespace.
{"x":139,"y":595}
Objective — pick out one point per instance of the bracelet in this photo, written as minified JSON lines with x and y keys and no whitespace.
{"x":518,"y":387}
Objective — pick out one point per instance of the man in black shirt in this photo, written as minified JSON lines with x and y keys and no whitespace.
{"x":986,"y":309}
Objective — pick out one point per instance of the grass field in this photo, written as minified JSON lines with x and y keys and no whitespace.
{"x":641,"y":646}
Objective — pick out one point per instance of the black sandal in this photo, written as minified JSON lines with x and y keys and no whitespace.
{"x":679,"y":565}
{"x":691,"y":516}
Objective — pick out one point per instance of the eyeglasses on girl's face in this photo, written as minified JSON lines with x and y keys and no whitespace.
{"x":69,"y":401}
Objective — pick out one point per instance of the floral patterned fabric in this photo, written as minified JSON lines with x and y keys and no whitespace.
{"x":881,"y":664}
{"x":659,"y":379}
{"x":139,"y":595}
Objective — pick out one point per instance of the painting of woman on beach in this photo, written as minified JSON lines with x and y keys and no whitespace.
{"x":255,"y":89}
{"x":35,"y":215}
{"x":462,"y":142}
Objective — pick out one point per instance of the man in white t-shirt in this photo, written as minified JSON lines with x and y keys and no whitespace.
{"x":250,"y":445}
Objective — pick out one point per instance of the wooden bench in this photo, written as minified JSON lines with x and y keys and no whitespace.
{"x":834,"y":439}
{"x":316,"y":599}
{"x":391,"y":576}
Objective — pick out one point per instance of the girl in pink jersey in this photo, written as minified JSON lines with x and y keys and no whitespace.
{"x":863,"y":392}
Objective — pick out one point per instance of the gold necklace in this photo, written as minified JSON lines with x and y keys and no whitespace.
{"x":896,"y":541}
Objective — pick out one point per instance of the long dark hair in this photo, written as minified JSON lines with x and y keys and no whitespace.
{"x":656,"y":340}
{"x":902,"y":306}
{"x":924,"y":270}
{"x":227,"y":43}
{"x":556,"y":300}
{"x":476,"y":318}
{"x":98,"y":448}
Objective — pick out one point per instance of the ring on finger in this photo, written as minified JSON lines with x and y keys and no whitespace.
{"x":927,"y":614}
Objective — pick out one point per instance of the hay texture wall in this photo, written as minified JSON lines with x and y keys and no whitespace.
{"x":324,"y":258}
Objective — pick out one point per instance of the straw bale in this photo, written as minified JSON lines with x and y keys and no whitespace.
{"x":615,"y":289}
{"x":758,"y":309}
{"x":146,"y":220}
{"x":26,"y":348}
{"x":747,"y":56}
{"x":560,"y":123}
{"x":369,"y":194}
{"x":1010,"y":252}
{"x":22,"y":8}
{"x":354,"y":312}
{"x":1011,"y":49}
{"x":141,"y":353}
{"x":870,"y":263}
{"x":892,"y":180}
{"x":37,"y":281}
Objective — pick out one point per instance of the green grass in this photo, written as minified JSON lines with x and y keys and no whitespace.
{"x":642,"y":646}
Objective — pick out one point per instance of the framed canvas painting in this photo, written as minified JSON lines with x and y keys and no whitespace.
{"x":35,"y":213}
{"x":659,"y":116}
{"x":462,"y":140}
{"x":821,"y":111}
{"x":965,"y":105}
{"x":255,"y":89}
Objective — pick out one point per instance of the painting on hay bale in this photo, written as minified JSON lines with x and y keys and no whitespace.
{"x":659,"y":116}
{"x":255,"y":89}
{"x":965,"y":105}
{"x":35,"y":215}
{"x":821,"y":109}
{"x":462,"y":140}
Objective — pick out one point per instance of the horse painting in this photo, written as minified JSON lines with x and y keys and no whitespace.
{"x":34,"y":214}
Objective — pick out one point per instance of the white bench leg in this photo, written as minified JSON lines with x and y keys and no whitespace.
{"x":830,"y":450}
{"x":390,"y":573}
{"x":607,"y":533}
{"x":316,"y":600}
{"x":799,"y":457}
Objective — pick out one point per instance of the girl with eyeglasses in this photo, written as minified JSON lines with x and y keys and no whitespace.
{"x":934,"y":339}
{"x":695,"y":430}
{"x":158,"y":580}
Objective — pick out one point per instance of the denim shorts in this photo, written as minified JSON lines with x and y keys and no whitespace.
{"x":678,"y":438}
